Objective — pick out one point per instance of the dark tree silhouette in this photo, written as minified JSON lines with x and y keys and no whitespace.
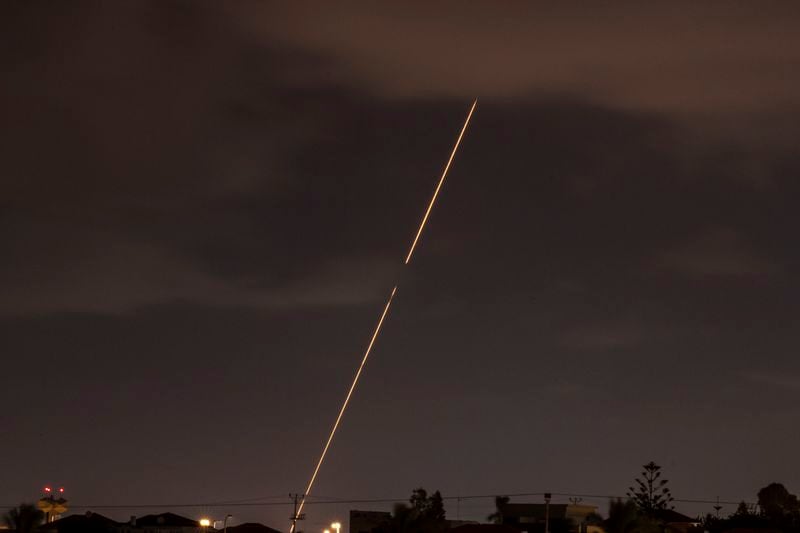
{"x":624,"y":517}
{"x":24,"y":518}
{"x":742,"y":509}
{"x":743,"y":518}
{"x":621,"y":515}
{"x":779,"y":506}
{"x":591,"y":519}
{"x":430,"y":508}
{"x":651,"y":493}
{"x":497,"y":516}
{"x":594,"y":519}
{"x":425,"y":514}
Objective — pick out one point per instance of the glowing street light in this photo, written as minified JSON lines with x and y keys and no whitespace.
{"x":337,"y":526}
{"x":205,"y":522}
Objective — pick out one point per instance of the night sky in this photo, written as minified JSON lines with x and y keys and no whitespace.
{"x":205,"y":205}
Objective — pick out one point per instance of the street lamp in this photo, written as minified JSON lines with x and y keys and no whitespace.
{"x":205,"y":522}
{"x":337,"y":526}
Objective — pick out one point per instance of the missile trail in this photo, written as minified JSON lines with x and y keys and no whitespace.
{"x":344,"y":405}
{"x":441,"y":181}
{"x":378,"y":327}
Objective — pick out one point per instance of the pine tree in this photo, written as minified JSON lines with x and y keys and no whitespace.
{"x":652,"y":493}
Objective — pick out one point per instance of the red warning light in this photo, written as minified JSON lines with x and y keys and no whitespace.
{"x":47,"y":489}
{"x":61,"y":490}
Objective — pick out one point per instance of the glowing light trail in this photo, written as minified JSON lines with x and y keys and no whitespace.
{"x":378,"y":327}
{"x":344,"y":405}
{"x":441,"y":181}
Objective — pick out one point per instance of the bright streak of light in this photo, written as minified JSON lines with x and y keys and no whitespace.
{"x":344,"y":404}
{"x":380,"y":323}
{"x":441,"y":181}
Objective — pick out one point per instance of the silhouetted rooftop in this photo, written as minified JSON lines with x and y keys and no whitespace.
{"x":252,"y":527}
{"x":485,"y":528}
{"x":672,"y":516}
{"x":557,"y":511}
{"x":166,"y":519}
{"x":80,"y":523}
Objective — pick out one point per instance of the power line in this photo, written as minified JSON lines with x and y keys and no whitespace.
{"x":250,"y":503}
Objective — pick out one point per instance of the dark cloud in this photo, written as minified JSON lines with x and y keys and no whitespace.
{"x":718,"y":252}
{"x":784,"y":381}
{"x":702,"y":57}
{"x":205,"y":205}
{"x":605,"y":335}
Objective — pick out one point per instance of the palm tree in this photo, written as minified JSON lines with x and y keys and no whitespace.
{"x":497,"y":516}
{"x":24,"y":518}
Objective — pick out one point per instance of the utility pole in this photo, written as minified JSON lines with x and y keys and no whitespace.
{"x":717,"y":507}
{"x":582,"y":526}
{"x":547,"y":497}
{"x":295,"y":517}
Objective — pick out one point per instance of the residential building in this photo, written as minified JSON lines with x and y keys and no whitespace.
{"x":484,"y":528}
{"x":452,"y":524}
{"x":531,"y":517}
{"x":367,"y":521}
{"x":163,"y":523}
{"x":675,"y":522}
{"x":81,"y":523}
{"x":252,"y":527}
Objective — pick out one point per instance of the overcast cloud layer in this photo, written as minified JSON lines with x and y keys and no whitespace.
{"x":204,"y":206}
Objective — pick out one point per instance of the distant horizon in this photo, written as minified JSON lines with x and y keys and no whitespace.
{"x":119,"y":514}
{"x":206,"y":206}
